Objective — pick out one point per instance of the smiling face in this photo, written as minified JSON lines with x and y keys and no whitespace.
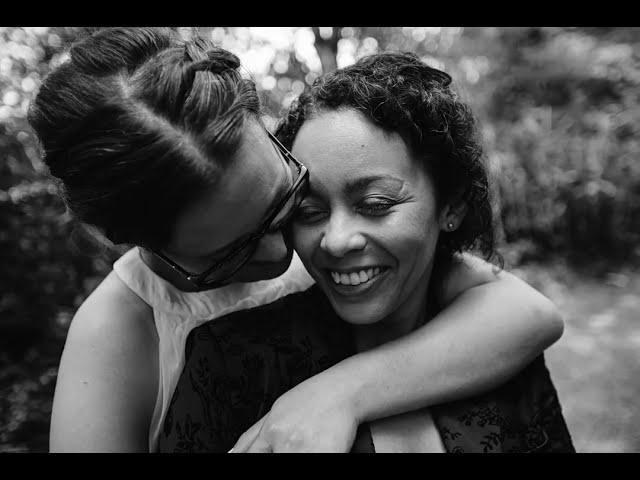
{"x":367,"y":231}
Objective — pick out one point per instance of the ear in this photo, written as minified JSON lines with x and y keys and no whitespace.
{"x":453,"y":214}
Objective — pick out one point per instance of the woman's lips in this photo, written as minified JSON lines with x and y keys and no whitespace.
{"x":355,"y":277}
{"x":354,"y":282}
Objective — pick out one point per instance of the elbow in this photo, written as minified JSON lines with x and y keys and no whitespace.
{"x":552,"y":323}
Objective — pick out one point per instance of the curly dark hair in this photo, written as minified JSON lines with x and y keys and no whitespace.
{"x":401,"y":94}
{"x":137,"y":124}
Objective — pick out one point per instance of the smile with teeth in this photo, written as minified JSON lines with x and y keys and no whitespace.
{"x":355,"y":278}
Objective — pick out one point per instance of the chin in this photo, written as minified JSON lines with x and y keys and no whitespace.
{"x":358,"y":314}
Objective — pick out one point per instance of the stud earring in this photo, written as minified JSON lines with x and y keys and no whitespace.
{"x":450,"y":226}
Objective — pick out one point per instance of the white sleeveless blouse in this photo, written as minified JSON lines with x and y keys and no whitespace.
{"x":176,"y":313}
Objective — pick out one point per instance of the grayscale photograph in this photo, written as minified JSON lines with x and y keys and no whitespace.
{"x":319,"y":239}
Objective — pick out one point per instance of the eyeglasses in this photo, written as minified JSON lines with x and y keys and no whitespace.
{"x":219,"y":273}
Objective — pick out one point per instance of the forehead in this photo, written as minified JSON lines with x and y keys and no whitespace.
{"x":238,"y":202}
{"x":346,"y":141}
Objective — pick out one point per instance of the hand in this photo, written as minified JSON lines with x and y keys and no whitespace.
{"x":314,"y":416}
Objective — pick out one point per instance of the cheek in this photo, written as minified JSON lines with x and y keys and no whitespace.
{"x":305,"y":241}
{"x":414,"y":239}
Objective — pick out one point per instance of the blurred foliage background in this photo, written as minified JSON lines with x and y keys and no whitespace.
{"x":560,"y":115}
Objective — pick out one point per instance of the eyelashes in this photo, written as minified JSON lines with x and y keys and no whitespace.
{"x":374,"y":206}
{"x":306,"y":215}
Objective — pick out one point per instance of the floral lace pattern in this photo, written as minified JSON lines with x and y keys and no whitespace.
{"x":237,"y":366}
{"x":523,"y":415}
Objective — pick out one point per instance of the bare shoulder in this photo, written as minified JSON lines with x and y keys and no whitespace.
{"x":113,"y":294}
{"x":108,"y":375}
{"x":470,"y":272}
{"x":113,"y":317}
{"x":467,"y":271}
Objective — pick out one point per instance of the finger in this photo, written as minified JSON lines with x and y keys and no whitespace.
{"x":247,"y":438}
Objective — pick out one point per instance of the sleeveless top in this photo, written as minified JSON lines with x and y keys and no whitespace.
{"x":177,"y":313}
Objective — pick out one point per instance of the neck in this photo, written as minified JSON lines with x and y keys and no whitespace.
{"x":409,"y":316}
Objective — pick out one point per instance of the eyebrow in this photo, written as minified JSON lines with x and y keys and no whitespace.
{"x":277,"y":199}
{"x":359,"y":184}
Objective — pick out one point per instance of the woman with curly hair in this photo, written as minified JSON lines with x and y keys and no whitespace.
{"x":210,"y":321}
{"x":398,"y":192}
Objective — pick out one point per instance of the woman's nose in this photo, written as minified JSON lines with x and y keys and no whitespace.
{"x":271,"y":248}
{"x":340,"y":238}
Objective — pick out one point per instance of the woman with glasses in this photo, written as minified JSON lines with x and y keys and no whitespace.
{"x":159,"y":144}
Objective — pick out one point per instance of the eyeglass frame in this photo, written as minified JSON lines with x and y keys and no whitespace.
{"x":197,"y":278}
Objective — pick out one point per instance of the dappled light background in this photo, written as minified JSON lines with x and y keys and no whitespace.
{"x":559,"y":112}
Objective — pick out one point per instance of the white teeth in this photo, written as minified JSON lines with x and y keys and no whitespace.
{"x":354,"y":278}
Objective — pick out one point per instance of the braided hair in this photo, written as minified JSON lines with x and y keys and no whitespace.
{"x":137,"y":124}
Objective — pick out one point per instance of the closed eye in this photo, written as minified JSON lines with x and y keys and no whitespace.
{"x":309,"y":214}
{"x":377,"y":207}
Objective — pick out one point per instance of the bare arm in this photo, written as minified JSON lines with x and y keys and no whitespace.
{"x":107,"y":380}
{"x":493,"y":327}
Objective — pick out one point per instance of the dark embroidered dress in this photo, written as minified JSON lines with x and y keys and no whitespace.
{"x":238,"y":365}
